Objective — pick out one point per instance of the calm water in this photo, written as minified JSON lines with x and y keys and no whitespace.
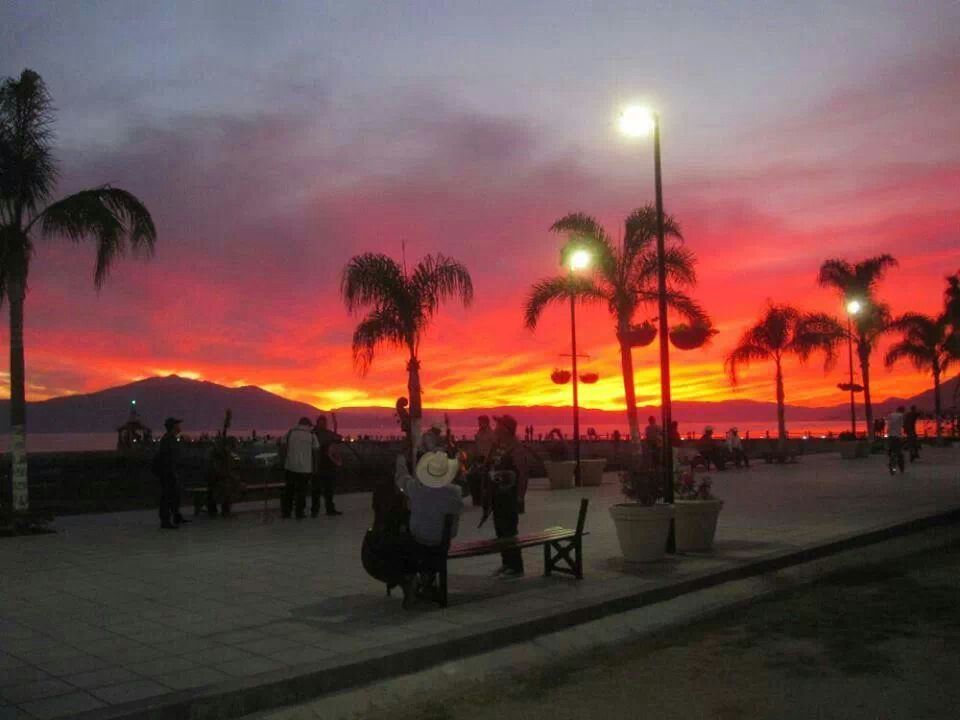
{"x":53,"y":442}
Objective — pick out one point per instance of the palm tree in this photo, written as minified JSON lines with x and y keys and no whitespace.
{"x":625,"y":278}
{"x":927,"y":342}
{"x":113,"y":218}
{"x":859,"y":282}
{"x":951,"y":309}
{"x":400,"y":307}
{"x":783,"y":330}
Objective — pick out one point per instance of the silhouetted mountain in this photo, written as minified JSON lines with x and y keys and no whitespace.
{"x":201,"y":404}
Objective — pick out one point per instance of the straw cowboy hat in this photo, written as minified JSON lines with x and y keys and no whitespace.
{"x":436,"y":470}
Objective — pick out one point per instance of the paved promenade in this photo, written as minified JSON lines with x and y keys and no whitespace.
{"x":112,"y":616}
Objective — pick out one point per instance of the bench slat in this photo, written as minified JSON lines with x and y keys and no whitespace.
{"x":491,"y":547}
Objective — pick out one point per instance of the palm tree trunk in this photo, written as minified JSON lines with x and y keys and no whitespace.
{"x":863,"y":352}
{"x":18,"y":401}
{"x":781,"y":411}
{"x":416,"y":408}
{"x":936,"y":400}
{"x":630,"y":393}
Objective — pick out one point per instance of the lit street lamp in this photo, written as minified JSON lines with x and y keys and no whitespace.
{"x":578,"y":260}
{"x":639,"y":122}
{"x":853,"y":308}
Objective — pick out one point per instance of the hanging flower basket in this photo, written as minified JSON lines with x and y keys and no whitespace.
{"x":589,"y":378}
{"x":638,"y":335}
{"x":691,"y":337}
{"x":560,"y":377}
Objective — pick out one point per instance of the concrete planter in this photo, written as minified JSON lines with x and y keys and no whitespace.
{"x":642,"y":530}
{"x":591,"y":472}
{"x":853,"y":449}
{"x":695,"y":523}
{"x":560,"y":473}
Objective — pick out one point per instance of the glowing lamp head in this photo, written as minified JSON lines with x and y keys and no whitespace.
{"x":637,"y":121}
{"x":854,"y":307}
{"x":579,"y":259}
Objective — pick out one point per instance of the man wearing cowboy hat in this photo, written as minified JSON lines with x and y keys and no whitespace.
{"x":431,"y":496}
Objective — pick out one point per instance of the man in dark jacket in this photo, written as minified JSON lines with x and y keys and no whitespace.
{"x":165,"y":468}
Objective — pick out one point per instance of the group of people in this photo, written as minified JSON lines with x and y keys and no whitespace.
{"x":709,"y":451}
{"x":406,"y":541}
{"x":901,"y":427}
{"x":310,"y":457}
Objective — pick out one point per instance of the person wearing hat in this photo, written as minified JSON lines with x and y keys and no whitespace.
{"x":504,"y":491}
{"x":431,"y":496}
{"x":300,"y":444}
{"x":432,"y":439}
{"x":164,"y":466}
{"x":735,"y":448}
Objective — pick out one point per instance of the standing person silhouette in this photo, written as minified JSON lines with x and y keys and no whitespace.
{"x":328,"y":463}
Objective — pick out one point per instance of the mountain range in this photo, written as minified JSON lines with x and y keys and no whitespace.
{"x":201,"y":404}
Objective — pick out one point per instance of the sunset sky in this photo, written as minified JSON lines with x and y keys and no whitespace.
{"x":273,"y":141}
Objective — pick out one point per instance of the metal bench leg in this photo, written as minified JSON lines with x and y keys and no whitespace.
{"x":547,"y":560}
{"x":578,"y":557}
{"x":443,"y":583}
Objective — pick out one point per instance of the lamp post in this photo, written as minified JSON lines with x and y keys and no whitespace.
{"x":578,"y":260}
{"x":637,"y":122}
{"x":853,"y":307}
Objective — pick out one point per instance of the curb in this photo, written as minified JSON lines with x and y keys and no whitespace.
{"x":270,"y":691}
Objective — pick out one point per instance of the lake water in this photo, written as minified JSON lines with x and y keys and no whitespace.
{"x":58,"y":442}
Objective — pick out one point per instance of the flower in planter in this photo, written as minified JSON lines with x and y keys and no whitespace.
{"x":686,"y":487}
{"x":642,"y":485}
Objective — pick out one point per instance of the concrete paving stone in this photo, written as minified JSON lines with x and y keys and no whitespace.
{"x":186,"y":646}
{"x":19,"y":694}
{"x":129,"y":691}
{"x":47,"y":653}
{"x":21,"y":675}
{"x":268,"y":645}
{"x":98,"y":678}
{"x":131,"y":654}
{"x":218,"y":654}
{"x":160,"y":637}
{"x":61,"y":706}
{"x":162,"y":666}
{"x":250,"y":666}
{"x":71,"y":664}
{"x":194,"y":678}
{"x":302,"y":655}
{"x":236,"y":637}
{"x":9,"y":661}
{"x":12,"y":712}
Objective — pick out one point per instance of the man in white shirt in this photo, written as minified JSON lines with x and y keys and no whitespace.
{"x":300,"y":443}
{"x":895,"y":440}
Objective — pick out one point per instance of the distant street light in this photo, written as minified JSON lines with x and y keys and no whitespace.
{"x":636,"y":121}
{"x":578,"y":260}
{"x":854,"y":306}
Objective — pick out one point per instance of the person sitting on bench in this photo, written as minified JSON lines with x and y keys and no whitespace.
{"x":431,"y":496}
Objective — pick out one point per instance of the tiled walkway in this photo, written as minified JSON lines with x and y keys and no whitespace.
{"x":111,"y":610}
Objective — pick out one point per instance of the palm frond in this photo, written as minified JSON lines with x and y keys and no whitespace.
{"x":871,"y":271}
{"x":438,"y":278}
{"x":381,"y":326}
{"x":680,"y":263}
{"x":683,"y":304}
{"x":835,"y":273}
{"x":373,"y":279}
{"x":27,"y":170}
{"x":743,"y":354}
{"x":552,"y":290}
{"x":584,"y":232}
{"x":815,"y":332}
{"x":112,"y":217}
{"x":917,"y":354}
{"x":640,"y":227}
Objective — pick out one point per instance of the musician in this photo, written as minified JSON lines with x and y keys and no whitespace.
{"x":504,"y":489}
{"x":431,"y":496}
{"x":483,"y":445}
{"x":327,"y":463}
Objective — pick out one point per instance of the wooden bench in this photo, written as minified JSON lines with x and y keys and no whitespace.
{"x":200,"y":494}
{"x":562,"y":549}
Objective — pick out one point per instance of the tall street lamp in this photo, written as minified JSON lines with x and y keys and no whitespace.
{"x":639,"y":122}
{"x":578,"y":260}
{"x":853,"y":308}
